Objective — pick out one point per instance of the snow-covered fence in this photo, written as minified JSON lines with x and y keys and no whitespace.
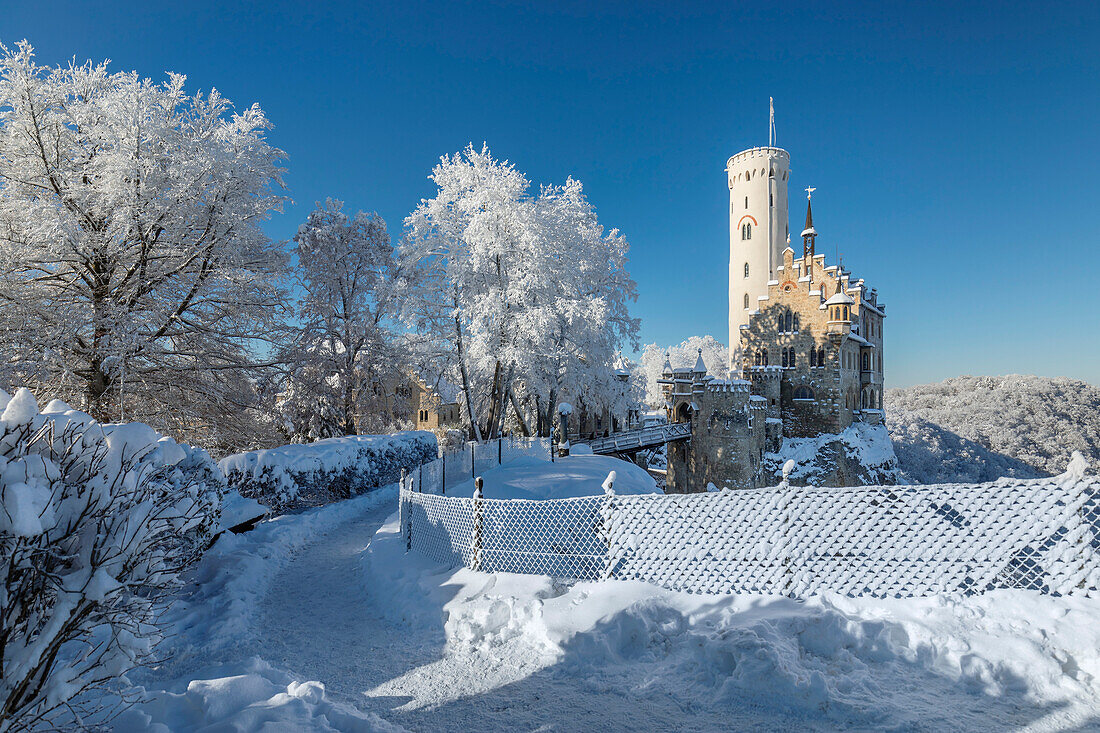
{"x":883,"y":541}
{"x":454,"y":467}
{"x":327,"y":470}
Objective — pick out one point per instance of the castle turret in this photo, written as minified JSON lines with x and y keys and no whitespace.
{"x":759,"y":231}
{"x":839,"y":310}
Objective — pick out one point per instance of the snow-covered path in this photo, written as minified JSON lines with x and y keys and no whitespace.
{"x":325,"y":618}
{"x":318,"y":622}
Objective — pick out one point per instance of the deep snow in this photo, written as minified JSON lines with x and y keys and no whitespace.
{"x":321,"y":621}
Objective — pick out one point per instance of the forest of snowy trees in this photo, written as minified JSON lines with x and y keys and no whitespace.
{"x":137,"y":283}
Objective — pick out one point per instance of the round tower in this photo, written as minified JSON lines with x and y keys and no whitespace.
{"x":759,"y":231}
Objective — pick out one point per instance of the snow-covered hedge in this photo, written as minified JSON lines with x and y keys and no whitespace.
{"x":329,"y":470}
{"x":97,"y":521}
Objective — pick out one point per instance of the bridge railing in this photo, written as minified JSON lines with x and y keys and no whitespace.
{"x":641,"y":438}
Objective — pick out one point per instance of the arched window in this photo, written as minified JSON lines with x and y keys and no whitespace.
{"x":813,"y":357}
{"x":803,"y":393}
{"x":788,"y":322}
{"x":765,"y":352}
{"x":846,"y":313}
{"x":748,"y":230}
{"x":796,"y":323}
{"x":746,"y":301}
{"x":746,"y":269}
{"x":866,"y":362}
{"x":784,"y":354}
{"x":746,"y":198}
{"x":790,"y":358}
{"x":821,"y":357}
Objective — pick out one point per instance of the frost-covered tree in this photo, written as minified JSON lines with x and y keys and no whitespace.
{"x":345,"y":361}
{"x":520,"y":296}
{"x":95,"y":524}
{"x":684,"y":354}
{"x":134,"y":276}
{"x":982,"y":428}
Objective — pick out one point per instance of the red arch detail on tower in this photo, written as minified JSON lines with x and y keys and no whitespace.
{"x":750,"y":218}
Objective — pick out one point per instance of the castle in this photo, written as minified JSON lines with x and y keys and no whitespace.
{"x":805,"y":342}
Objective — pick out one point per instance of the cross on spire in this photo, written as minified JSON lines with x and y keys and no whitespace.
{"x":810,"y":192}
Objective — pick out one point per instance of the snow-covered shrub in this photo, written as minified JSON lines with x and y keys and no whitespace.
{"x":96,"y":522}
{"x":328,"y":470}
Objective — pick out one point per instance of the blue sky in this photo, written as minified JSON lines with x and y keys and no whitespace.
{"x":954,"y":147}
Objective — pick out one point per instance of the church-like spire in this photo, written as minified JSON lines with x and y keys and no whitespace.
{"x":809,"y":234}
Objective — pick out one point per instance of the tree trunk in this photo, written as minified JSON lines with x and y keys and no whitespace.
{"x":465,"y":377}
{"x":519,"y":416}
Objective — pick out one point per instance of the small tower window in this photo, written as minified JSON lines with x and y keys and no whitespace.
{"x":746,"y":301}
{"x":821,"y":357}
{"x":813,"y":357}
{"x":796,"y":323}
{"x":846,"y":313}
{"x":746,"y":202}
{"x":748,"y":230}
{"x":803,"y":393}
{"x":746,"y":269}
{"x":771,"y":199}
{"x":765,"y":357}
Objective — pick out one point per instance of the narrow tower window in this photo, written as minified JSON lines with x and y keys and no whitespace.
{"x":746,"y":301}
{"x":748,"y":231}
{"x":746,"y":202}
{"x":746,"y":269}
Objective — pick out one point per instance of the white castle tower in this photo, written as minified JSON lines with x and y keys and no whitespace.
{"x":759,"y":230}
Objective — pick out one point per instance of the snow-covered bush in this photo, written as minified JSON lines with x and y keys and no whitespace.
{"x":328,"y":470}
{"x":97,"y":521}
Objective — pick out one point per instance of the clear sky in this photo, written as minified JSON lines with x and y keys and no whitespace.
{"x":955,"y":147}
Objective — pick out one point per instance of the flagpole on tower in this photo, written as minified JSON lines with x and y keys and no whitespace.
{"x":771,"y":122}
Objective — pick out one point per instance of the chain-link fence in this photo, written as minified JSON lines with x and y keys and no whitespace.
{"x":883,"y":541}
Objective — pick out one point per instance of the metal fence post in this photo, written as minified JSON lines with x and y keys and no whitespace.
{"x":606,"y":515}
{"x":500,"y":452}
{"x":475,"y":540}
{"x":473,"y":468}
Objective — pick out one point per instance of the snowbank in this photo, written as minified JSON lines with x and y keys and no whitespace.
{"x":1004,"y":659}
{"x":327,"y":470}
{"x":574,"y":475}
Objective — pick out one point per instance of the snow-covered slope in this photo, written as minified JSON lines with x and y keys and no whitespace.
{"x":982,"y":428}
{"x":861,"y":455}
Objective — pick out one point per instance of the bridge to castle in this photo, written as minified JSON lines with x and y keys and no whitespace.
{"x":631,"y":442}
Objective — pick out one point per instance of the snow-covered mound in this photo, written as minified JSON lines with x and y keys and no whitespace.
{"x":583,"y":475}
{"x":981,"y":428}
{"x":327,"y":470}
{"x":1002,"y":660}
{"x":861,"y":455}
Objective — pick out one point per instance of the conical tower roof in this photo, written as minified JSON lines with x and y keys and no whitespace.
{"x":700,"y":366}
